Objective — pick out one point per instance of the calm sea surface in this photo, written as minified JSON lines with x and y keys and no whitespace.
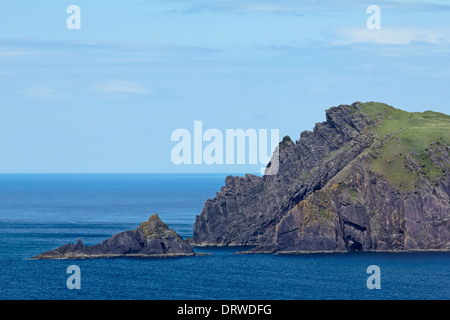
{"x":43,"y":212}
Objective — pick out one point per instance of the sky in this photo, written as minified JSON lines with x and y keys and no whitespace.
{"x":107,"y":97}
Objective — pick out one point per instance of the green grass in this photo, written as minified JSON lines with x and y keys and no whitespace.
{"x":353,"y":193}
{"x":406,"y":134}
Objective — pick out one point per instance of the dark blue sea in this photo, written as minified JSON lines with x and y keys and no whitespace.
{"x":43,"y":212}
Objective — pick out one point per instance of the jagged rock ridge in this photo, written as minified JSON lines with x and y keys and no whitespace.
{"x":371,"y":177}
{"x":152,"y":238}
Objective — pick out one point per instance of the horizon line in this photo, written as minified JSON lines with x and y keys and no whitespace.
{"x":120,"y":173}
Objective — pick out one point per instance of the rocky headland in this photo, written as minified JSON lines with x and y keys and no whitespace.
{"x":152,"y":238}
{"x":369,"y":178}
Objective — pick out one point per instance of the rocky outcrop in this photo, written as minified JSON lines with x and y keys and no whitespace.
{"x":152,"y":238}
{"x":365,"y":211}
{"x":247,"y":209}
{"x":371,"y":177}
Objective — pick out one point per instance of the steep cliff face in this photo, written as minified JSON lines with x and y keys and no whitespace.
{"x":369,"y":178}
{"x":364,"y":211}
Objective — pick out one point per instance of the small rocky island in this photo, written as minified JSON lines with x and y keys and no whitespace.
{"x":152,"y":238}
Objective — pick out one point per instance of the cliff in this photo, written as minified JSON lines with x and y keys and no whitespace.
{"x":152,"y":238}
{"x":371,"y":177}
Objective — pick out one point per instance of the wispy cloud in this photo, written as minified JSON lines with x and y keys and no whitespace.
{"x":392,"y":35}
{"x":31,"y":46}
{"x":298,"y":7}
{"x":39,"y":92}
{"x":6,"y":54}
{"x":120,"y":87}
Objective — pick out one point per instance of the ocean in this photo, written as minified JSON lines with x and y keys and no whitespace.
{"x":41,"y":212}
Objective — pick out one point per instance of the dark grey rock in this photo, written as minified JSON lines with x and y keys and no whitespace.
{"x":247,"y":209}
{"x":152,"y":238}
{"x":374,"y":215}
{"x":326,"y":197}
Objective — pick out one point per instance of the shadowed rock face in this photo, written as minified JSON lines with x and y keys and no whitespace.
{"x":365,"y":211}
{"x":152,"y":238}
{"x":371,"y":177}
{"x":247,"y":209}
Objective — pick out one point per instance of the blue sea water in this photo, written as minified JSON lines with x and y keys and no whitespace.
{"x":43,"y":212}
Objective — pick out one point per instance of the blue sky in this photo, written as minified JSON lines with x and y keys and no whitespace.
{"x":107,"y":97}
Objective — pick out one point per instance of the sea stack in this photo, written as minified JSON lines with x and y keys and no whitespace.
{"x":152,"y":238}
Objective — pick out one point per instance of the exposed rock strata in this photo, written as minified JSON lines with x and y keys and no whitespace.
{"x":328,"y":195}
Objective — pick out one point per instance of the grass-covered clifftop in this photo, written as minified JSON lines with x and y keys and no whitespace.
{"x":404,"y":138}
